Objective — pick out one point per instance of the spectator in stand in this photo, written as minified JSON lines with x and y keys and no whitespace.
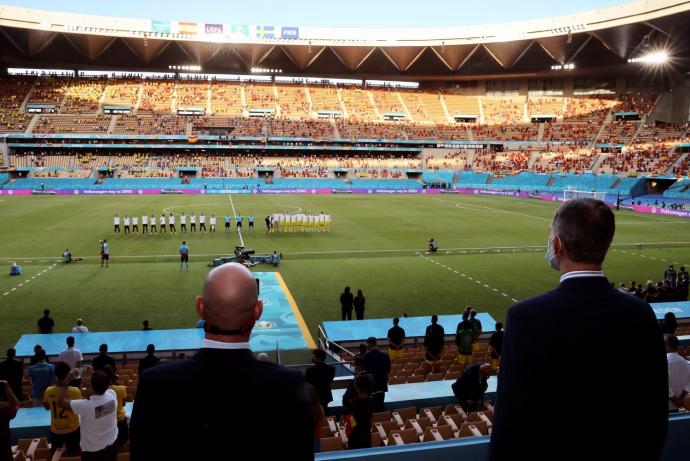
{"x":396,"y":340}
{"x":97,"y":417}
{"x":544,"y":344}
{"x":42,"y":375}
{"x":8,"y":410}
{"x":80,"y":327}
{"x":149,"y":361}
{"x":12,"y":371}
{"x":669,"y":324}
{"x":321,"y":376}
{"x":470,"y":387}
{"x":678,"y":374}
{"x":476,"y":330}
{"x":71,"y":355}
{"x":670,"y":274}
{"x":434,"y":339}
{"x":64,"y":424}
{"x":464,"y":339}
{"x":346,"y":304}
{"x":121,"y":393}
{"x":496,"y":346}
{"x":34,"y":358}
{"x":359,"y":414}
{"x":359,"y":305}
{"x":103,"y":359}
{"x":45,"y":323}
{"x":145,"y":326}
{"x":362,"y":349}
{"x":378,"y":365}
{"x":226,"y":390}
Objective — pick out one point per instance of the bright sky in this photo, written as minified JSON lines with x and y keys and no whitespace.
{"x":333,"y":13}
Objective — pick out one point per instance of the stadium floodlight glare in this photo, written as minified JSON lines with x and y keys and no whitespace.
{"x":656,"y":57}
{"x":189,"y":68}
{"x":570,"y":66}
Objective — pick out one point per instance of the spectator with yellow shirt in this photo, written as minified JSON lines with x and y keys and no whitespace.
{"x":64,"y":424}
{"x":121,"y":393}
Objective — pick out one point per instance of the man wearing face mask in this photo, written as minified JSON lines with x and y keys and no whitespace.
{"x":200,"y":407}
{"x":553,"y":357}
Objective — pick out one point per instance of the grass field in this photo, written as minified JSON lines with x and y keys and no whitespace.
{"x":491,"y":254}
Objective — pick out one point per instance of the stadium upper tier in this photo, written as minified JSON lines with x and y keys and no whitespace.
{"x":87,"y":105}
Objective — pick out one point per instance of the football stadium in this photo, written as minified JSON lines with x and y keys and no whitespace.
{"x":390,"y":238}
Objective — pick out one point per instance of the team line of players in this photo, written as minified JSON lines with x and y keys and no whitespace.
{"x":277,"y":222}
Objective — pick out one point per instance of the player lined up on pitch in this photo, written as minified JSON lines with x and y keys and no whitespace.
{"x":297,"y":222}
{"x":165,"y":223}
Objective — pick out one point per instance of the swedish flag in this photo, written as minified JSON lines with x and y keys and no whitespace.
{"x":265,"y":32}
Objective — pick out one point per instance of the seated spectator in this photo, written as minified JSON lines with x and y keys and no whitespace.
{"x":8,"y":410}
{"x":470,"y":387}
{"x":97,"y":416}
{"x":150,"y":360}
{"x":678,"y":374}
{"x":45,"y":323}
{"x":64,"y":424}
{"x":42,"y":375}
{"x":80,"y":327}
{"x":145,"y":325}
{"x":103,"y":359}
{"x":12,"y":371}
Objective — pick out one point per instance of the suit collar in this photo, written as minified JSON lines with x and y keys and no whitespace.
{"x":577,"y":283}
{"x":235,"y":354}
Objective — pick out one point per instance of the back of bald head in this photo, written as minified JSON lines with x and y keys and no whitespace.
{"x":230,"y":296}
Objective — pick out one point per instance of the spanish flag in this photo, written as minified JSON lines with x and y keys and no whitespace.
{"x":193,"y":139}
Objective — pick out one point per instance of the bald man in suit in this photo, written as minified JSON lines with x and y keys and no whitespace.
{"x":222,"y":401}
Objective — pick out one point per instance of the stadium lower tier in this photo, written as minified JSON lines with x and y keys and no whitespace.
{"x":554,"y":184}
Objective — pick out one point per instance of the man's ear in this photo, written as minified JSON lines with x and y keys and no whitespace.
{"x":258,"y":309}
{"x":557,"y":244}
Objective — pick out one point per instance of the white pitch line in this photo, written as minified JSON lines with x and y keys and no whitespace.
{"x":239,"y":231}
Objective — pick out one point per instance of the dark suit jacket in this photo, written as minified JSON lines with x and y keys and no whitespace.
{"x":321,"y":376}
{"x":583,"y":376}
{"x":378,"y":364}
{"x":221,"y":404}
{"x":12,"y":371}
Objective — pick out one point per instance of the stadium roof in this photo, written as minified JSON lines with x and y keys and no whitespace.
{"x":596,"y":41}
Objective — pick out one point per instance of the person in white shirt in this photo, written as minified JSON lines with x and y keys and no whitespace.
{"x":212,"y":221}
{"x":183,"y":223}
{"x":153,"y":225}
{"x":161,"y":221}
{"x":116,"y":224}
{"x":678,"y":375}
{"x":192,"y":223}
{"x":127,"y":224}
{"x":71,"y":355}
{"x":202,"y":223}
{"x":171,"y":223}
{"x":135,"y":224}
{"x":97,"y":417}
{"x":80,"y":327}
{"x":144,"y":224}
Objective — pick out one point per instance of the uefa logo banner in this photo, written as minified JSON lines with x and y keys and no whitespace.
{"x":211,"y":29}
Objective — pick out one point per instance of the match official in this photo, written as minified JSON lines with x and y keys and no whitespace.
{"x":184,"y":255}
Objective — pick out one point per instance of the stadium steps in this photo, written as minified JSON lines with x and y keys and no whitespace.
{"x":342,"y":103}
{"x":32,"y":124}
{"x":22,"y":108}
{"x":550,"y":182}
{"x":404,"y":106}
{"x":540,"y":134}
{"x":140,"y":95}
{"x":598,"y":161}
{"x":602,"y":128}
{"x":209,"y":98}
{"x":445,"y":109}
{"x":372,"y":101}
{"x":101,"y":101}
{"x":111,"y":126}
{"x":616,"y":183}
{"x":62,"y":103}
{"x":243,"y":98}
{"x":307,"y":94}
{"x":534,"y":156}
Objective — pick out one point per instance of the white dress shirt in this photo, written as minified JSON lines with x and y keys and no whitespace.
{"x":581,"y":274}
{"x":678,"y":377}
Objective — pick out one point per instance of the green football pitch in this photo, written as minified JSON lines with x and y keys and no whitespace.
{"x":491,"y":254}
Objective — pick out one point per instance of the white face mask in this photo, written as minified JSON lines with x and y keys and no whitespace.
{"x":549,"y":256}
